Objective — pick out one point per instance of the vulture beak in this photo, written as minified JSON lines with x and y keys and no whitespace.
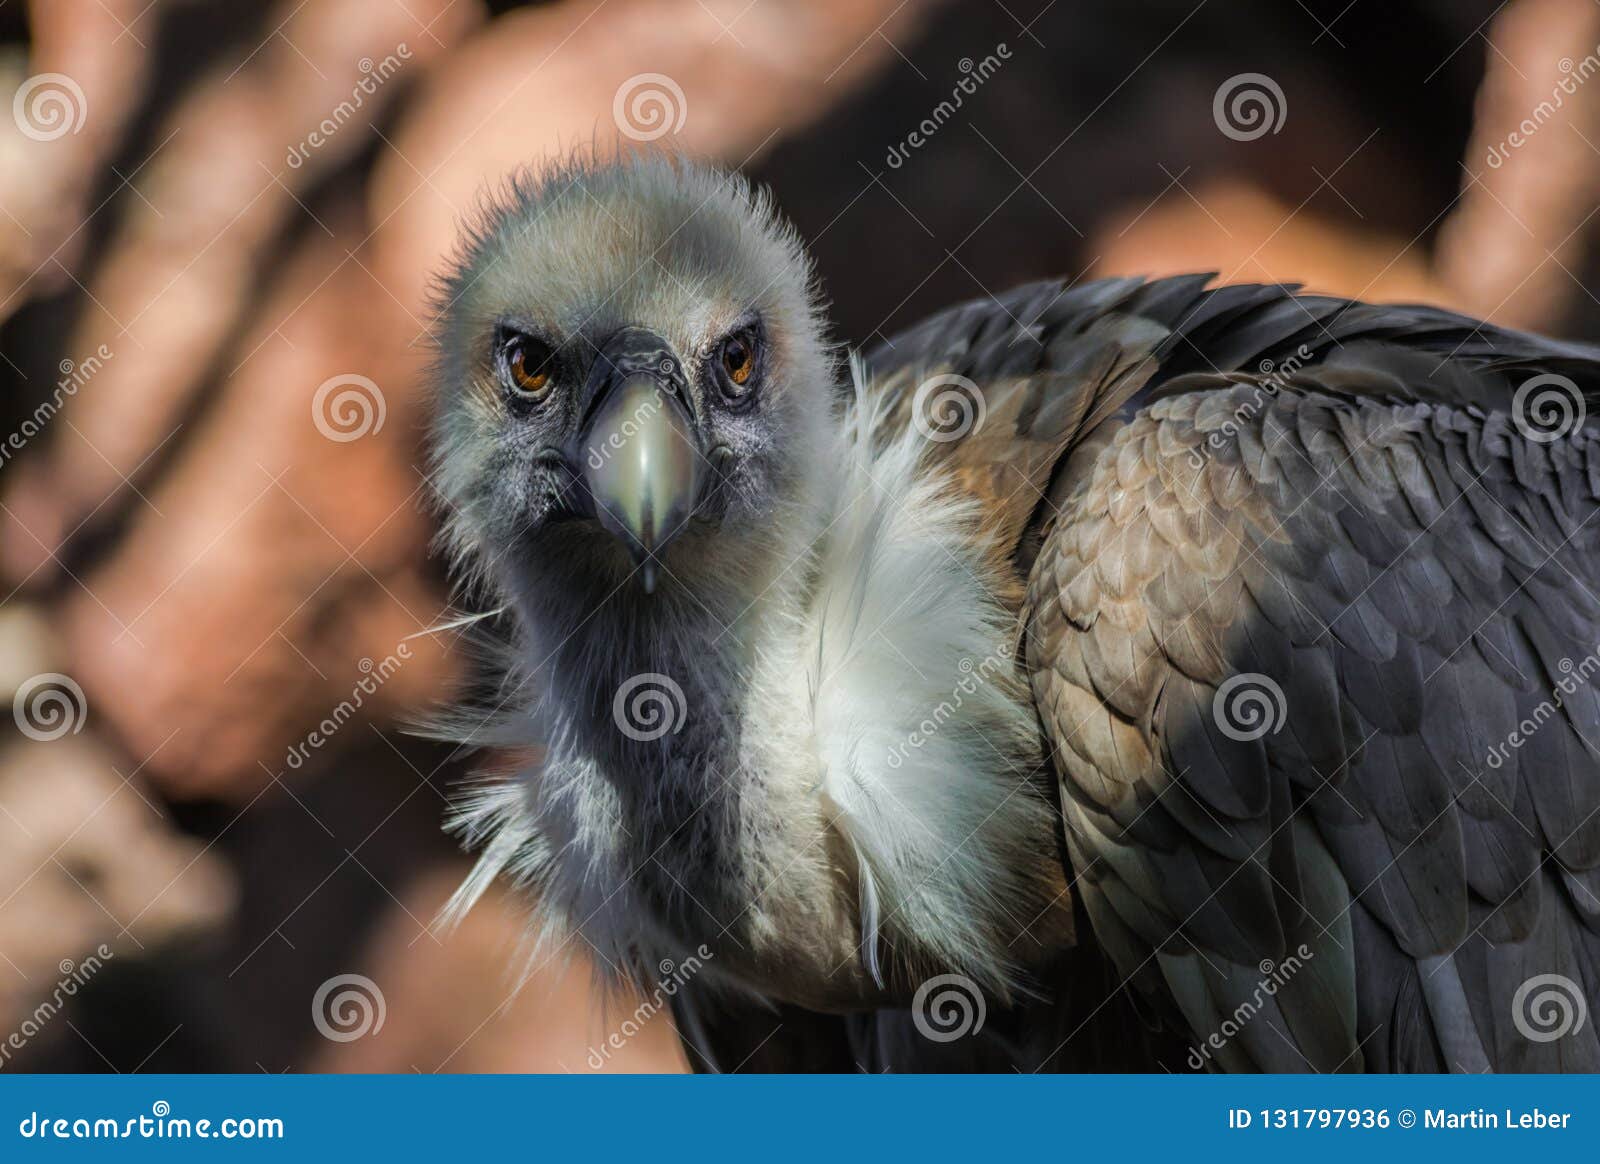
{"x":643,"y":462}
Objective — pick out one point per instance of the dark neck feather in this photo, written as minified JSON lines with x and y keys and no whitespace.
{"x":649,"y":688}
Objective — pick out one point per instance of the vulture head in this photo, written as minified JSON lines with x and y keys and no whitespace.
{"x":731,"y":607}
{"x":638,"y":388}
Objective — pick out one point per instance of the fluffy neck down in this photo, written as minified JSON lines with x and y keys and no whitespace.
{"x":871,"y":811}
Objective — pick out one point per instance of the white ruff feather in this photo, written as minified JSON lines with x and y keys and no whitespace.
{"x":883,"y":709}
{"x":925,"y":740}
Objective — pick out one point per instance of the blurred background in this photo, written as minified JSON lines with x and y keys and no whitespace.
{"x":219,"y":849}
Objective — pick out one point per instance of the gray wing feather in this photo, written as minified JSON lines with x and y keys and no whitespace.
{"x":1329,"y":494}
{"x":1413,"y":586}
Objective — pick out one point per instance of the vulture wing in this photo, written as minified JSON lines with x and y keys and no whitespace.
{"x":1312,"y":631}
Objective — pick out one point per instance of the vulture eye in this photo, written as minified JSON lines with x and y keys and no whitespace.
{"x":529,"y":365}
{"x":738,"y":359}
